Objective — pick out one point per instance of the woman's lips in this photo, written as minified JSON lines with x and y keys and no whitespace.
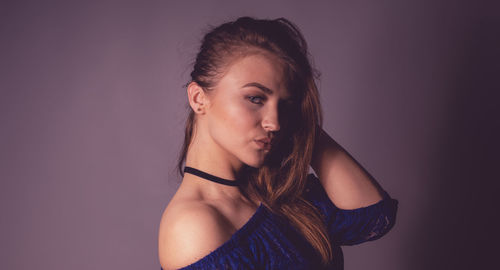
{"x":263,"y":145}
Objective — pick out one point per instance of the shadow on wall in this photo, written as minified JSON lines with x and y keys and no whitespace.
{"x":461,"y":227}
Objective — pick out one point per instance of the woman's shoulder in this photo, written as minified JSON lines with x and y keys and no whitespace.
{"x":189,"y":230}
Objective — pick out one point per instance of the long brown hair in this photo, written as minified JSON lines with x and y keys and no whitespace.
{"x":280,"y":182}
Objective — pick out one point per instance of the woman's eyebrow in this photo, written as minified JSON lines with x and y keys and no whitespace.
{"x":260,"y":86}
{"x":263,"y":88}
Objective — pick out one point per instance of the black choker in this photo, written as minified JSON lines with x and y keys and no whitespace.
{"x":211,"y":177}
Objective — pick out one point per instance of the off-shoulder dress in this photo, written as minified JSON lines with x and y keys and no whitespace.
{"x":267,"y":241}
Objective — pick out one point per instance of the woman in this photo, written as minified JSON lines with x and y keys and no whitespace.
{"x":246,"y":200}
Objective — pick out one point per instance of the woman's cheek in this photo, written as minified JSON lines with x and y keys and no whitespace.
{"x":245,"y":117}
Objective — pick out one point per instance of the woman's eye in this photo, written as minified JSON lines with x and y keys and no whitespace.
{"x":253,"y":98}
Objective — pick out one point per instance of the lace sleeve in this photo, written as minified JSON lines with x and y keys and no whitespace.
{"x":351,"y":227}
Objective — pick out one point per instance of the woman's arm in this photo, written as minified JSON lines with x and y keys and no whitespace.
{"x":347,"y":184}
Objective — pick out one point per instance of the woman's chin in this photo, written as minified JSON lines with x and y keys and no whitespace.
{"x":256,"y":163}
{"x":257,"y":160}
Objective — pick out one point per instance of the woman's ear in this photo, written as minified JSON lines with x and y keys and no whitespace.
{"x":198,"y":99}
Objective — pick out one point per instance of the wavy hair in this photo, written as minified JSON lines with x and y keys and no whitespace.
{"x":280,"y":182}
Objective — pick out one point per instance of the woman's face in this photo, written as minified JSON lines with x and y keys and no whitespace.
{"x":247,"y":105}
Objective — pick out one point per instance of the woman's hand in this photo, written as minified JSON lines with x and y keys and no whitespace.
{"x":347,"y":184}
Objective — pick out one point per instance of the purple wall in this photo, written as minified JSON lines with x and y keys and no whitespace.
{"x":92,"y":110}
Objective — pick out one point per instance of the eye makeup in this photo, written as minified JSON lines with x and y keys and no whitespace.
{"x":253,"y":98}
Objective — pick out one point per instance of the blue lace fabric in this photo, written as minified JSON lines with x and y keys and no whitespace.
{"x":268,"y":241}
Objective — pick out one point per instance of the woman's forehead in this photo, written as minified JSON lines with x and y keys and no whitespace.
{"x":260,"y":71}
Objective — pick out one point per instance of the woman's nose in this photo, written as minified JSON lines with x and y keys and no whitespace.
{"x":271,"y":120}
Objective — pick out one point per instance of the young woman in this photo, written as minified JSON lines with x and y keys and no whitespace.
{"x":247,"y":200}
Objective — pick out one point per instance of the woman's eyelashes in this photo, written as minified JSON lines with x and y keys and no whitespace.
{"x":254,"y":98}
{"x":258,"y":100}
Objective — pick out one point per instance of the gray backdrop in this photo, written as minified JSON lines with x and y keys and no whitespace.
{"x":92,"y":111}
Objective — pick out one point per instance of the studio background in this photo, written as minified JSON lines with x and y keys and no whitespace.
{"x":92,"y":111}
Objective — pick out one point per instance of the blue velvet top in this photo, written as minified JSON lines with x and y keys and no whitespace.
{"x":268,"y":241}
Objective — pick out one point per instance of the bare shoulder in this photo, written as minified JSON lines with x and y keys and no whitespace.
{"x":190,"y":230}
